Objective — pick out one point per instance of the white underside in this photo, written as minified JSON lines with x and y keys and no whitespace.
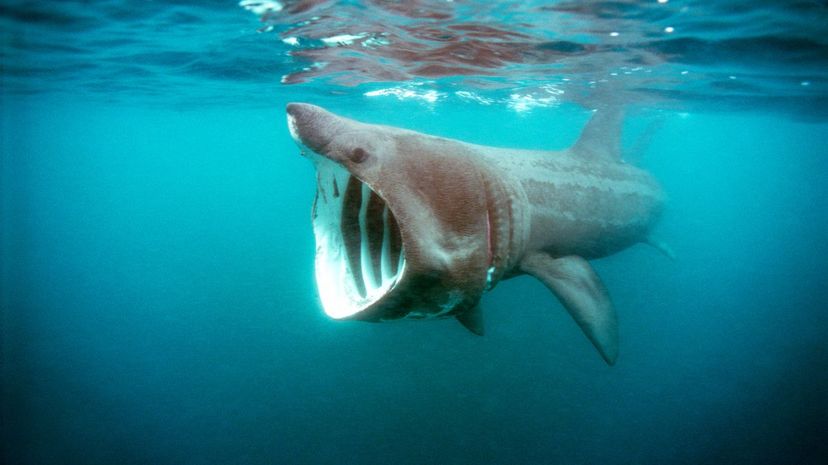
{"x":340,"y":287}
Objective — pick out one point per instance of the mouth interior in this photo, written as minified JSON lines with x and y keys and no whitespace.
{"x":359,"y":250}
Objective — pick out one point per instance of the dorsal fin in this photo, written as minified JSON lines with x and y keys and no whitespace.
{"x":601,"y":137}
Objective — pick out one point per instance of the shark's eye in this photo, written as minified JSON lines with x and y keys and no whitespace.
{"x":358,"y":155}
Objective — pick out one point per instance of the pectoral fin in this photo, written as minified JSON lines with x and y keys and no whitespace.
{"x":472,"y":319}
{"x":581,"y":292}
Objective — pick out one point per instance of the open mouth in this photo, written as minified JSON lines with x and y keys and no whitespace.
{"x":359,"y":249}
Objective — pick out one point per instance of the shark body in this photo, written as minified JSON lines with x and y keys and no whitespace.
{"x":415,"y":226}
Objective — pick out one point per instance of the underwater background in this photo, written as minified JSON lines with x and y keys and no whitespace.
{"x":158,"y":295}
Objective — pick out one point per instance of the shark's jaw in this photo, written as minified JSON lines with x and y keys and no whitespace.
{"x":360,"y":256}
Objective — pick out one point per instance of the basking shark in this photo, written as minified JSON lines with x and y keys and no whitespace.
{"x":414,"y":226}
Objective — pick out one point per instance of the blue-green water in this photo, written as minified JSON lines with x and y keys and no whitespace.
{"x":158,"y":301}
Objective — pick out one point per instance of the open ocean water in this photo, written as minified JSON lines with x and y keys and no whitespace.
{"x":158,"y":294}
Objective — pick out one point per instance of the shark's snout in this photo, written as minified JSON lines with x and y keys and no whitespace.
{"x":312,"y":126}
{"x":302,"y":111}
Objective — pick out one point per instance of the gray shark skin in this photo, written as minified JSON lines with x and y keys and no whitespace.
{"x":413,"y":226}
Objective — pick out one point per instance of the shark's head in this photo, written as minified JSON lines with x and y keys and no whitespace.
{"x":400,"y":218}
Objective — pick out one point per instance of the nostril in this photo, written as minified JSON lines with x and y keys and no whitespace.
{"x":358,"y":155}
